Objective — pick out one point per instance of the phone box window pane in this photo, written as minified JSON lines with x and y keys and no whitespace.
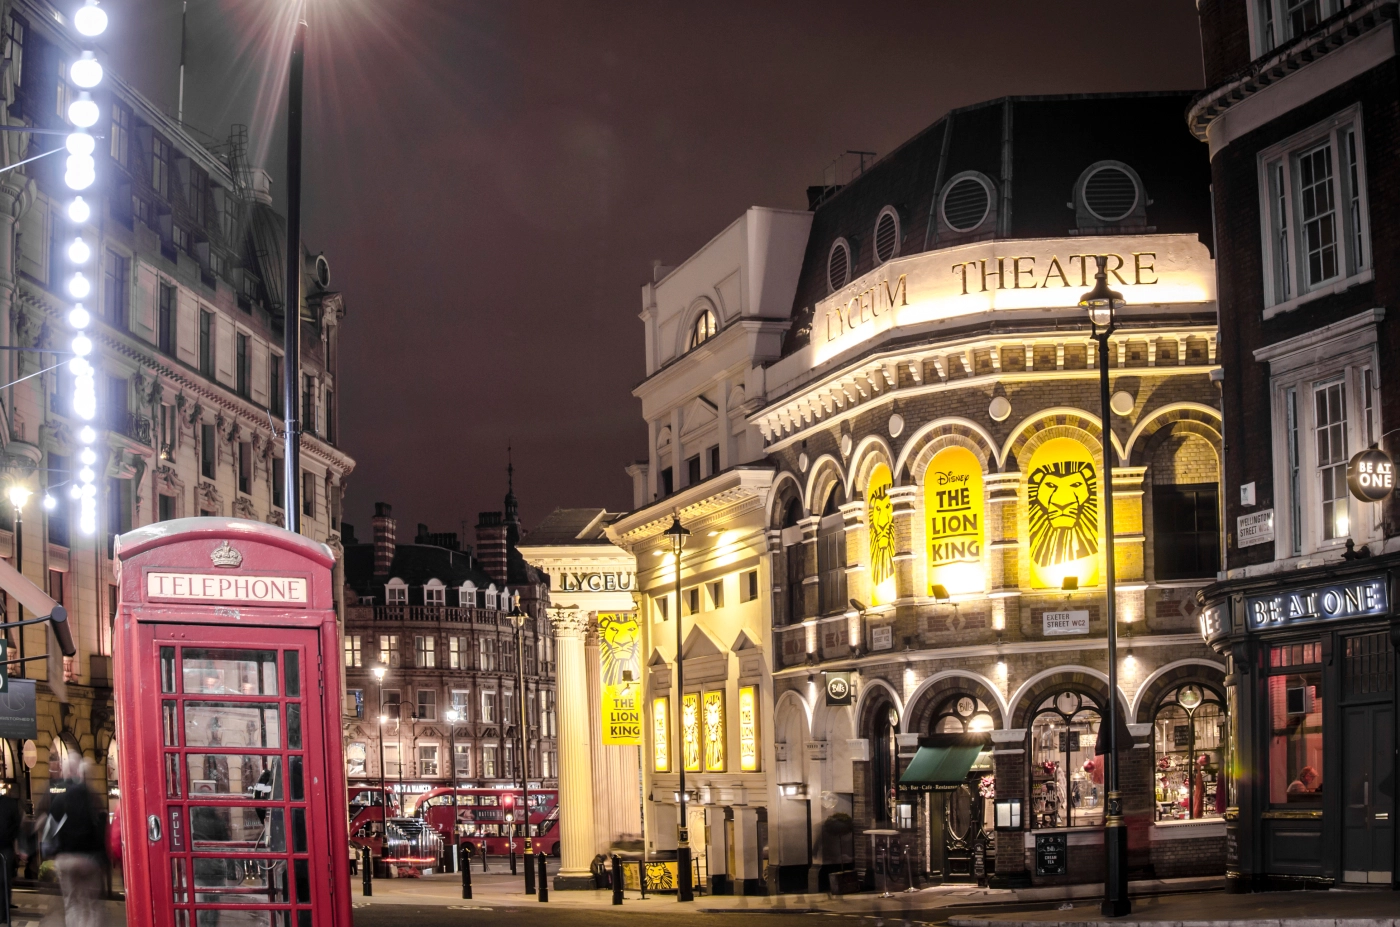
{"x":230,"y":672}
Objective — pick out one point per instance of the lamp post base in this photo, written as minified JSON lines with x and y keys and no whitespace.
{"x":685,"y":891}
{"x":1115,"y":885}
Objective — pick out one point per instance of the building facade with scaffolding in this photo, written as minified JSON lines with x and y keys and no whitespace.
{"x":186,"y":271}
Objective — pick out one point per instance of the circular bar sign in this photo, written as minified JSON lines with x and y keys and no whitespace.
{"x":1371,"y":475}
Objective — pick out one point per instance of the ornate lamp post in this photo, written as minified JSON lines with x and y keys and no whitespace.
{"x":1101,"y":303}
{"x":379,"y":672}
{"x":685,"y":891}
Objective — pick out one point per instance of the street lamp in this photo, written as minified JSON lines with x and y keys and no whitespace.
{"x":19,"y":494}
{"x":378,"y":673}
{"x":684,"y":890}
{"x":453,"y":715}
{"x":1101,"y":303}
{"x":518,"y":618}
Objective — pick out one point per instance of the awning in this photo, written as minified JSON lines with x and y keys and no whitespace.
{"x":939,"y":769}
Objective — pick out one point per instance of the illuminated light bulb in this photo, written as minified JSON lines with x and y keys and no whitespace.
{"x":82,"y":112}
{"x":85,"y":407}
{"x":90,"y":19}
{"x":80,"y":143}
{"x":49,"y":502}
{"x":89,"y":491}
{"x":75,"y":491}
{"x":79,"y":252}
{"x":86,"y":475}
{"x":87,"y":435}
{"x":82,"y":346}
{"x":88,"y":456}
{"x":79,"y":211}
{"x":81,"y":368}
{"x":79,"y":317}
{"x":76,"y":180}
{"x":79,"y":287}
{"x":86,"y":72}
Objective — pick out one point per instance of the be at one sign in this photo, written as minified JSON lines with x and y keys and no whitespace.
{"x":1371,"y":475}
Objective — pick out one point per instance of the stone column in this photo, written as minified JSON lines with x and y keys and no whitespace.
{"x":1009,"y":765}
{"x":575,"y":753}
{"x":602,"y":825}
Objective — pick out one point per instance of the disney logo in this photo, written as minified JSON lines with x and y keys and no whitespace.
{"x":945,"y":477}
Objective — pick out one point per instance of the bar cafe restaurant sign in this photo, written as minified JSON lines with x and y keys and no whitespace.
{"x":1001,"y":276}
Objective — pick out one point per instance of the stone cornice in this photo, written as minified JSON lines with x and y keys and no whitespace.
{"x":736,"y":488}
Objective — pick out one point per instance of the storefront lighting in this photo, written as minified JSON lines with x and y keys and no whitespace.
{"x":1069,"y":583}
{"x":793,"y":789}
{"x":940,"y":592}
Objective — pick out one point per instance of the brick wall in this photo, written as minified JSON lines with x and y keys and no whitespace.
{"x":1224,"y":37}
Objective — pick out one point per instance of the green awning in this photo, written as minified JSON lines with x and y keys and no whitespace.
{"x":939,"y":769}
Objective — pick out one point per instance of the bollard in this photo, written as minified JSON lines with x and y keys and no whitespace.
{"x":617,"y":879}
{"x":529,"y":870}
{"x":467,"y":878}
{"x":544,"y":878}
{"x":367,"y":876}
{"x":483,"y":856}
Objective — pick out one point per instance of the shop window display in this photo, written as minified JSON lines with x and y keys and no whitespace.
{"x":1189,"y":741}
{"x":1067,"y":778}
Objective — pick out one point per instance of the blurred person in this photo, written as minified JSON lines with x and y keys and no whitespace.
{"x":77,"y":830}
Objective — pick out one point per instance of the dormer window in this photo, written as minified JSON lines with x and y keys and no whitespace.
{"x":1109,"y":194}
{"x":396,"y":592}
{"x":434,"y":593}
{"x":467,"y":595}
{"x":838,"y":264}
{"x":491,"y":596}
{"x":887,"y":234}
{"x":967,"y":205}
{"x":702,"y":330}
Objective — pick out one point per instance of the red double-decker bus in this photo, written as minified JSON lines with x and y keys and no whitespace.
{"x":488,"y":819}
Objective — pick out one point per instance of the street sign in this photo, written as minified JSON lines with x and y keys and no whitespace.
{"x":1257,"y":528}
{"x":1070,"y":622}
{"x":18,"y":720}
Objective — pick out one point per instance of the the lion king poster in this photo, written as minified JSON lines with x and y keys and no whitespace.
{"x":1062,"y":513}
{"x":619,"y":640}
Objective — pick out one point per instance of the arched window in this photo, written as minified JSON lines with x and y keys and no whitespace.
{"x":1189,"y":746}
{"x":831,"y":555}
{"x":703,"y":329}
{"x":1067,"y":787}
{"x":962,"y":713}
{"x":792,"y":554}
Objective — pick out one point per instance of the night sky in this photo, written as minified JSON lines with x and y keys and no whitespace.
{"x":491,"y":182}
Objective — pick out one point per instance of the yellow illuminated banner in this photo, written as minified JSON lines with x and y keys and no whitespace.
{"x":955,"y":509}
{"x":661,"y":734}
{"x":619,"y":656}
{"x":690,"y":731}
{"x":714,"y":731}
{"x":1062,"y":504}
{"x":879,"y":521}
{"x":748,"y":729}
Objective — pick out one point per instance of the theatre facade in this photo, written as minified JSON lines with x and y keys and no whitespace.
{"x":934,"y":525}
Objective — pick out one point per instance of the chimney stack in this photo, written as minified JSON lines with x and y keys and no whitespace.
{"x":491,"y":546}
{"x":385,"y":530}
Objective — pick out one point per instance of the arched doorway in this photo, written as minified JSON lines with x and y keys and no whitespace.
{"x":961,"y":839}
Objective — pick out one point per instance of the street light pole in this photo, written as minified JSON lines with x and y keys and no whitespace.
{"x":378,"y":673}
{"x":291,"y":296}
{"x":518,"y":618}
{"x":452,"y":716}
{"x":684,"y":888}
{"x":1101,"y":303}
{"x":19,"y":495}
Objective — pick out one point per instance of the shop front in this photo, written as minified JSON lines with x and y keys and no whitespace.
{"x":1311,"y":698}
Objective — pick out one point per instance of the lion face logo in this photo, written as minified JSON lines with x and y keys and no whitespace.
{"x":1064,"y":512}
{"x":880,"y":519}
{"x":619,"y":637}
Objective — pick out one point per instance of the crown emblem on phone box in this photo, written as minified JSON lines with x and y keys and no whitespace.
{"x":225,"y":556}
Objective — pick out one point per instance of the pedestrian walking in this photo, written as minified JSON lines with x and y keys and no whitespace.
{"x":76,"y":835}
{"x":11,"y":821}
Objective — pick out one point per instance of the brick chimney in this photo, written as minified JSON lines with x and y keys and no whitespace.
{"x":491,"y":546}
{"x":385,"y":530}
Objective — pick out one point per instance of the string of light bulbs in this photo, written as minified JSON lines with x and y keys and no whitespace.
{"x":80,"y":173}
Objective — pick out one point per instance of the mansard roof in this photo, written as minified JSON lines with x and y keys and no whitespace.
{"x":1034,"y":151}
{"x":571,"y":526}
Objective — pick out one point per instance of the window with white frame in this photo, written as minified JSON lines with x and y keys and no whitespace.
{"x":425,"y":651}
{"x":459,"y":652}
{"x":1324,"y":386}
{"x":487,"y":647}
{"x":488,"y":707}
{"x":491,"y":596}
{"x":466,"y":596}
{"x":388,"y":650}
{"x":1317,"y":230}
{"x":464,"y":759}
{"x":396,"y":592}
{"x":353,"y":655}
{"x":427,"y":759}
{"x":488,"y":761}
{"x":427,"y":705}
{"x":461,"y":703}
{"x":1280,"y":21}
{"x":434,"y":593}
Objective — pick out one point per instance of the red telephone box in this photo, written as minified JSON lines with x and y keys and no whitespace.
{"x":228,"y":705}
